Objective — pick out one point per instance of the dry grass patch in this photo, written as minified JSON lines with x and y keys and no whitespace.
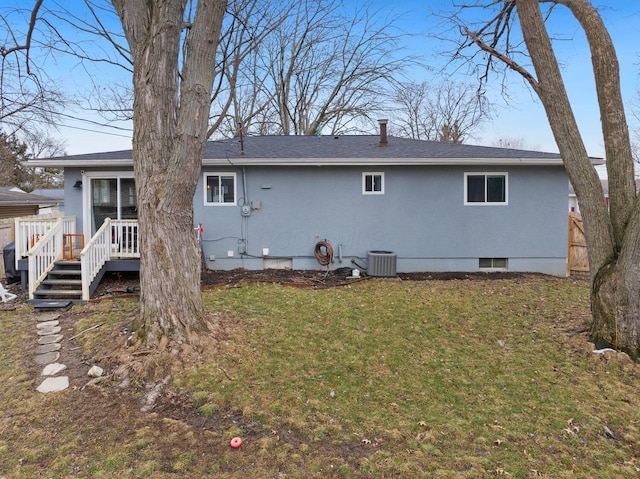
{"x":455,"y":379}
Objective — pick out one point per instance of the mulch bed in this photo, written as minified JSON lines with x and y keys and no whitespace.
{"x":117,"y":284}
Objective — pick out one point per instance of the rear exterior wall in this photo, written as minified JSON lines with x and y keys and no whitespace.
{"x":421,"y":217}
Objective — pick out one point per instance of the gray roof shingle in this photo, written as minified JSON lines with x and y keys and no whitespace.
{"x":356,"y":146}
{"x":8,"y":197}
{"x":356,"y":149}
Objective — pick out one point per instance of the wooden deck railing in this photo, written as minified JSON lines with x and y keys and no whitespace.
{"x":29,"y":231}
{"x":124,"y":236}
{"x":44,"y":253}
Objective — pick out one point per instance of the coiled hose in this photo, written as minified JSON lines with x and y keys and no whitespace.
{"x":323,"y":252}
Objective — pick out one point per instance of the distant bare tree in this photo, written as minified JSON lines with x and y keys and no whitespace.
{"x":40,"y":145}
{"x":327,"y":68}
{"x":240,"y":98}
{"x":28,"y":97}
{"x":281,"y":68}
{"x":514,"y":143}
{"x":448,"y":111}
{"x":414,"y":118}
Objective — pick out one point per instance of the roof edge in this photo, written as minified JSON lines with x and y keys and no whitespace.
{"x":106,"y":163}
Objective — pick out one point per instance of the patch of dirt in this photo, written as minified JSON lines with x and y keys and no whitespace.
{"x":128,"y":283}
{"x":338,"y":277}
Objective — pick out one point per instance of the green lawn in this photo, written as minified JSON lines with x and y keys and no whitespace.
{"x":384,"y":378}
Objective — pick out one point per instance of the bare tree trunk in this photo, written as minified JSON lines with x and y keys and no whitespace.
{"x":613,"y":239}
{"x":615,"y":295}
{"x":170,"y":124}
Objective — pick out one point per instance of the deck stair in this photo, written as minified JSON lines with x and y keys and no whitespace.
{"x":64,"y":281}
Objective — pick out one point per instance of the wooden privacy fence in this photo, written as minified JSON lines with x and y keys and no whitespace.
{"x":578,"y":261}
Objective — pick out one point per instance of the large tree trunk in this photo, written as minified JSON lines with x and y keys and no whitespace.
{"x":613,"y":239}
{"x":169,"y":133}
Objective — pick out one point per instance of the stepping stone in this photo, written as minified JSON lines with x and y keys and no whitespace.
{"x":47,"y":358}
{"x":48,"y":348}
{"x":48,"y":324}
{"x":53,"y":369}
{"x":49,"y":316}
{"x":54,"y":338}
{"x":51,"y":385}
{"x":49,"y":331}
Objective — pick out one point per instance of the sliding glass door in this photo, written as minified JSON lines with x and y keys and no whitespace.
{"x":113,"y":198}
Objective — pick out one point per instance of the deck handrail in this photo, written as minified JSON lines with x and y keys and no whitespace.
{"x":44,"y":253}
{"x":29,"y":231}
{"x":94,"y":255}
{"x":124,"y":236}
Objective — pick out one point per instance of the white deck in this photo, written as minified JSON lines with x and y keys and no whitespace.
{"x":45,"y":241}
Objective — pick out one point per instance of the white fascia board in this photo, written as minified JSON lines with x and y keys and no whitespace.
{"x":119,"y":163}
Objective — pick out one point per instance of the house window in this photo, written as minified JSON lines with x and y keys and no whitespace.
{"x":493,"y":263}
{"x":220,"y":189}
{"x":373,"y":183}
{"x":485,"y":188}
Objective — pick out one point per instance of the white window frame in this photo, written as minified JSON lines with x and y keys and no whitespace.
{"x":486,"y":174}
{"x":219,"y":173}
{"x":493,"y":266}
{"x":373,"y":174}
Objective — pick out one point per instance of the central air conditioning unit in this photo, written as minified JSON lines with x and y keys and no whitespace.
{"x":381,"y":264}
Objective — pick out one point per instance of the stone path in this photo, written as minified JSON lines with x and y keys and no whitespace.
{"x":48,"y":352}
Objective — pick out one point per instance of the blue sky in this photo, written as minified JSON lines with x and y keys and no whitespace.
{"x":523,"y":117}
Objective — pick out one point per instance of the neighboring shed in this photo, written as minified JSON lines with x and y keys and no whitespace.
{"x":15,"y":203}
{"x":57,"y":194}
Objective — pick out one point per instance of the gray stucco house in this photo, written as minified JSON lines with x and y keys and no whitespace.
{"x":268,"y":201}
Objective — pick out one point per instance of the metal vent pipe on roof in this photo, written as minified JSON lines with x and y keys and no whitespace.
{"x":383,"y":132}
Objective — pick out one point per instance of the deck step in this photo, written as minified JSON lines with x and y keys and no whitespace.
{"x":68,"y":262}
{"x":65,"y":272}
{"x":58,"y":292}
{"x":61,"y":282}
